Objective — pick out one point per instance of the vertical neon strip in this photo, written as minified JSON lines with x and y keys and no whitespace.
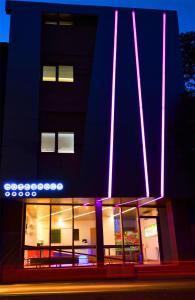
{"x":140,"y":104}
{"x":113,"y":105}
{"x":163,"y":108}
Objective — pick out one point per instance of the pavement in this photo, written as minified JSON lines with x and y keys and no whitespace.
{"x":177,"y":289}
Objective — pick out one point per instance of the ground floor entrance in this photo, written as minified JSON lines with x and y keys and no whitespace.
{"x":85,"y":232}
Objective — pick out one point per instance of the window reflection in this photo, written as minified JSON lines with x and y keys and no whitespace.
{"x":37,"y":225}
{"x":112,"y":232}
{"x":131,"y":234}
{"x":85,"y":243}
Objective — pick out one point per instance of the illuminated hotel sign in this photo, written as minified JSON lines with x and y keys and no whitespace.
{"x":30,"y":189}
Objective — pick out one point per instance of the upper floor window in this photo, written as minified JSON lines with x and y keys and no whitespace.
{"x":65,"y":142}
{"x":47,"y":142}
{"x":65,"y":74}
{"x":49,"y":73}
{"x":62,"y":142}
{"x":58,"y":19}
{"x":58,"y":73}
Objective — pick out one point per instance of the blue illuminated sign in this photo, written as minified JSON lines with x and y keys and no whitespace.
{"x":30,"y":189}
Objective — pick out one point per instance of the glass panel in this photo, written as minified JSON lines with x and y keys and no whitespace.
{"x":49,"y":73}
{"x":36,"y":258}
{"x":47,"y":142}
{"x":84,"y":222}
{"x":61,"y":234}
{"x":150,"y":244}
{"x":37,"y":225}
{"x":85,"y":256}
{"x":112,"y":235}
{"x":66,"y":74}
{"x":148,"y":211}
{"x":131,"y":234}
{"x":65,"y":142}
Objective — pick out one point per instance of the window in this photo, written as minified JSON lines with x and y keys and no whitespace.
{"x":65,"y":142}
{"x":49,"y":73}
{"x":47,"y":142}
{"x":58,"y":73}
{"x":48,"y":22}
{"x":58,"y":19}
{"x":65,"y":74}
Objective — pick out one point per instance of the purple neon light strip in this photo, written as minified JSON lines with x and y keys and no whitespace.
{"x":113,"y":105}
{"x":163,"y":107}
{"x":140,"y":104}
{"x":130,"y":201}
{"x":153,"y":200}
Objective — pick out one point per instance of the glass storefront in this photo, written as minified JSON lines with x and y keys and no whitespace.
{"x":63,"y":234}
{"x":59,"y":235}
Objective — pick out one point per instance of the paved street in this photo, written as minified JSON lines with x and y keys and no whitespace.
{"x":120,"y":290}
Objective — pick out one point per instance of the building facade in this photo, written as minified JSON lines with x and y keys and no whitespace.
{"x":90,"y":174}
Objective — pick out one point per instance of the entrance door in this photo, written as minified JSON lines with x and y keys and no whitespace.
{"x":150,"y":239}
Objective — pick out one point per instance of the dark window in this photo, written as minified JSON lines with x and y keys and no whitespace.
{"x":56,"y":236}
{"x":76,"y":234}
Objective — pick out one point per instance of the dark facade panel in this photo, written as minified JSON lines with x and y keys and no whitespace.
{"x":3,"y":72}
{"x":19,"y":151}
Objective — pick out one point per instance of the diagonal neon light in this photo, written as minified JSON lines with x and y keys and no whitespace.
{"x":130,"y":201}
{"x":163,"y":107}
{"x":113,"y":105}
{"x":153,"y":200}
{"x":140,"y":104}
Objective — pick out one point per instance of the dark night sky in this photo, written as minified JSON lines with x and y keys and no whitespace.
{"x":185,"y":8}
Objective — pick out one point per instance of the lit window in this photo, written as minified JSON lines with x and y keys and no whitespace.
{"x":49,"y":73}
{"x":65,"y":142}
{"x":47,"y":142}
{"x":65,"y":74}
{"x":66,"y":23}
{"x":51,"y":22}
{"x":58,"y":19}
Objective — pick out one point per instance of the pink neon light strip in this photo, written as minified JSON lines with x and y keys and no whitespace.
{"x":163,"y":107}
{"x":113,"y":105}
{"x":140,"y":104}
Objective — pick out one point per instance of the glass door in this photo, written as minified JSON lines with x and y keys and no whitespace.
{"x":150,"y":239}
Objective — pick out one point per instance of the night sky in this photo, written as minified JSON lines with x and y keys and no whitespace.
{"x":185,"y":8}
